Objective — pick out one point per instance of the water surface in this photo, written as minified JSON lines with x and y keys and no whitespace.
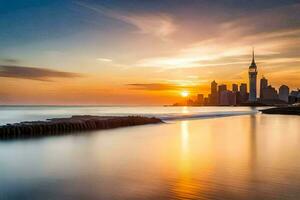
{"x":12,"y":114}
{"x":236,"y":157}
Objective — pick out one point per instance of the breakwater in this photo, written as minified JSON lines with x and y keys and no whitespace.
{"x":74,"y":124}
{"x":289,"y":110}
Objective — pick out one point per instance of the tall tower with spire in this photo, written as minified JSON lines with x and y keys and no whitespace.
{"x":252,"y":79}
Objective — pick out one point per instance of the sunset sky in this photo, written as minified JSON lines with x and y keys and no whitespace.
{"x":141,"y":52}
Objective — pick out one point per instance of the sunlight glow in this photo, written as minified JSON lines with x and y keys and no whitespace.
{"x":184,"y":93}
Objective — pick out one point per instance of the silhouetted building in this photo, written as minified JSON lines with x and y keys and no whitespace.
{"x":190,"y":102}
{"x":263,"y":85}
{"x":233,"y":98}
{"x":284,"y":92}
{"x":243,"y":97}
{"x":294,"y":97}
{"x":224,"y":98}
{"x":206,"y":101}
{"x":270,"y":93}
{"x":235,"y":87}
{"x":252,"y":79}
{"x":238,"y":98}
{"x":200,"y":99}
{"x":214,"y":93}
{"x":220,"y":89}
{"x":227,"y":98}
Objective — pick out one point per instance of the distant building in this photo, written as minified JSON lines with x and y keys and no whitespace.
{"x":284,"y":92}
{"x":221,"y":88}
{"x":252,"y":80}
{"x":270,"y":93}
{"x":209,"y":99}
{"x":243,"y":89}
{"x":228,"y":98}
{"x":233,"y":98}
{"x":263,"y":85}
{"x":200,"y":99}
{"x":224,"y":98}
{"x":238,"y":98}
{"x":243,"y":96}
{"x":294,"y":97}
{"x":214,"y":93}
{"x":190,"y":102}
{"x":235,"y":87}
{"x":206,"y":101}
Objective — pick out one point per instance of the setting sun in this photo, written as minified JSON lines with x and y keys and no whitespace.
{"x":184,"y":93}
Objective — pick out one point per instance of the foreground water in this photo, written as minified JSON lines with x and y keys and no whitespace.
{"x":251,"y":156}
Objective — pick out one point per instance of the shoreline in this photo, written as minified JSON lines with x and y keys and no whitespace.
{"x":74,"y":124}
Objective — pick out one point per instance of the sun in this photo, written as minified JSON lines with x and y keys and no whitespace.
{"x":184,"y":93}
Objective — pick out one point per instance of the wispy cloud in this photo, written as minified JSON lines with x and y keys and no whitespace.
{"x":158,"y":24}
{"x":232,"y":41}
{"x":104,"y":59}
{"x":152,"y":86}
{"x":33,"y":73}
{"x":10,"y":60}
{"x":160,"y":87}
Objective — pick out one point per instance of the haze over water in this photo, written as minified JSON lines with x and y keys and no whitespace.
{"x":252,"y":156}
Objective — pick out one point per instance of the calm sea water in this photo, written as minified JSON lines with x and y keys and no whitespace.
{"x":246,"y":155}
{"x":32,"y":113}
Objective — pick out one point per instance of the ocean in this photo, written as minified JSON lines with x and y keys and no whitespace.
{"x":199,"y":153}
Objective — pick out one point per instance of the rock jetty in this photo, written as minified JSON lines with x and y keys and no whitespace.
{"x":74,"y":124}
{"x":288,"y":110}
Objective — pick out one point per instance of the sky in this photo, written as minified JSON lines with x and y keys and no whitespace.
{"x":141,"y":52}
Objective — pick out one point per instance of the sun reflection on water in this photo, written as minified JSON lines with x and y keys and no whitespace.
{"x":185,"y":110}
{"x":184,"y":139}
{"x":185,"y":187}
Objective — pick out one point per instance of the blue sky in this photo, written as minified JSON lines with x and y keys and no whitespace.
{"x":25,"y":21}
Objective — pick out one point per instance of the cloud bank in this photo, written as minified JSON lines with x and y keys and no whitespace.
{"x":33,"y":73}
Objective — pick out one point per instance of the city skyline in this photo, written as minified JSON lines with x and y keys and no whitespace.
{"x":141,"y":52}
{"x":240,"y":95}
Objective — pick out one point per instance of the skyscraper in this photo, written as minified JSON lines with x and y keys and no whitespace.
{"x":214,"y":93}
{"x":227,"y":98}
{"x":284,"y":93}
{"x":235,"y":87}
{"x":220,"y":89}
{"x":252,"y":79}
{"x":263,"y":85}
{"x":243,"y":89}
{"x":224,"y":98}
{"x":243,"y":93}
{"x":270,"y":93}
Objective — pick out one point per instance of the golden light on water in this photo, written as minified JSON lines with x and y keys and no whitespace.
{"x":184,"y":186}
{"x":185,"y":136}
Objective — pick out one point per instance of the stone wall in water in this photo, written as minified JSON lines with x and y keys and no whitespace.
{"x":74,"y":124}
